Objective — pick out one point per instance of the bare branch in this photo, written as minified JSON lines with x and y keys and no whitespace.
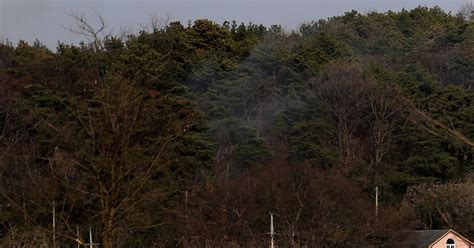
{"x":467,"y":11}
{"x":83,"y":27}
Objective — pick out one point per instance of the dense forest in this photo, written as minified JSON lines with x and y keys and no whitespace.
{"x":190,"y":135}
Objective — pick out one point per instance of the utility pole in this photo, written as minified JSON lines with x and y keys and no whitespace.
{"x":376,"y":204}
{"x":91,"y":243}
{"x":272,"y":232}
{"x":90,"y":238}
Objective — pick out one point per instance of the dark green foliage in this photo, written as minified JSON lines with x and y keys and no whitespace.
{"x":381,"y":99}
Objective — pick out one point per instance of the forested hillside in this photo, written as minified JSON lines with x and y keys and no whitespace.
{"x":190,"y":135}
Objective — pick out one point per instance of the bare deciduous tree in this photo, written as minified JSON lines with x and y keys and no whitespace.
{"x":344,"y":89}
{"x":107,"y":151}
{"x":385,"y":115}
{"x":443,"y":205}
{"x":467,"y":11}
{"x":96,"y":35}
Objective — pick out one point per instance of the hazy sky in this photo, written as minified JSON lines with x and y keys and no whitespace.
{"x":44,"y":19}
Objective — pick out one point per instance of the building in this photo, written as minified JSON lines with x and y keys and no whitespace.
{"x":429,"y":239}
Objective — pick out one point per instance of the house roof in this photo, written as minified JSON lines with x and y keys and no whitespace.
{"x":418,"y":238}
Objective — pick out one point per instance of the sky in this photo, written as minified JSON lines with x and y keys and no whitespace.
{"x":48,"y":20}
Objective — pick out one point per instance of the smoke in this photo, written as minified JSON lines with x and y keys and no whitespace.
{"x":242,"y":100}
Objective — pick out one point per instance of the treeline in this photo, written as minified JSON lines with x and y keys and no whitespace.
{"x":190,"y":135}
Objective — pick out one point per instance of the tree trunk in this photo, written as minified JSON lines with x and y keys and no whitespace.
{"x":107,"y":238}
{"x":259,"y":120}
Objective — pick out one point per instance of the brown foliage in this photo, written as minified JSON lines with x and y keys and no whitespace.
{"x":311,"y":207}
{"x":442,"y":206}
